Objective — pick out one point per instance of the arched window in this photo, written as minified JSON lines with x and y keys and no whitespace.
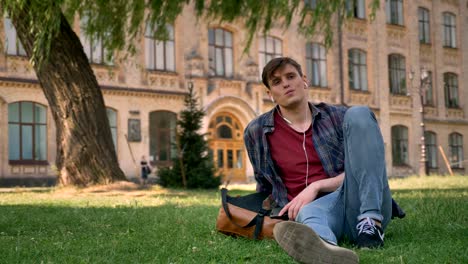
{"x":397,"y":74}
{"x":268,"y":48}
{"x":12,"y":44}
{"x":430,"y":139}
{"x":112,"y":116}
{"x":224,"y":132}
{"x":316,"y":64}
{"x":27,"y":133}
{"x":450,"y":30}
{"x":357,"y":64}
{"x":451,"y":90}
{"x":220,"y":52}
{"x":456,"y":150}
{"x":162,"y":136}
{"x":400,"y":145}
{"x":225,"y":127}
{"x":159,"y":52}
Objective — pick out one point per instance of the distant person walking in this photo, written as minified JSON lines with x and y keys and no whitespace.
{"x":145,"y":170}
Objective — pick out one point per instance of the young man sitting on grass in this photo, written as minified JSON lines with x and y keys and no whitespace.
{"x":324,"y":165}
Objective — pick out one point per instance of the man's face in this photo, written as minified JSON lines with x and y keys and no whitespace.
{"x":287,"y":87}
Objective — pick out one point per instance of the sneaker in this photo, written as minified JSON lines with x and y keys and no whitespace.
{"x":369,"y":234}
{"x":305,"y":246}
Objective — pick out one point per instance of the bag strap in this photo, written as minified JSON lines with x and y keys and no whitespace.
{"x":226,"y":208}
{"x":257,"y":221}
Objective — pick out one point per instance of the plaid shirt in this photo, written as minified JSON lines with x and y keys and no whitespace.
{"x":327,"y":136}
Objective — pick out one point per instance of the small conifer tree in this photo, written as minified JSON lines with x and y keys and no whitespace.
{"x":193,"y":167}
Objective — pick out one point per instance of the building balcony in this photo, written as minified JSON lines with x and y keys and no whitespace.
{"x":401,"y":103}
{"x":452,"y":57}
{"x":356,"y":29}
{"x":455,"y":113}
{"x":19,"y":66}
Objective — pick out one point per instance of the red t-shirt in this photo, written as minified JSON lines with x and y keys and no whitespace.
{"x":287,"y":153}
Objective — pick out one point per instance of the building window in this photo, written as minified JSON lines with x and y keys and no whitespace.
{"x":428,"y":94}
{"x":400,"y":145}
{"x":112,"y":116}
{"x":316,"y":63}
{"x":311,"y":4}
{"x":397,"y":74}
{"x":162,"y":137}
{"x":27,"y":133}
{"x":430,"y":139}
{"x":224,"y":132}
{"x":394,"y":12}
{"x":159,"y":52}
{"x":456,"y":150}
{"x":93,"y":46}
{"x":356,"y":8}
{"x":269,"y":48}
{"x":451,"y":90}
{"x":357,"y":69}
{"x":450,"y":30}
{"x":424,"y":28}
{"x":220,"y":52}
{"x":13,"y":45}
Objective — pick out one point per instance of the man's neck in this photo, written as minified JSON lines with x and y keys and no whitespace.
{"x":299,"y":116}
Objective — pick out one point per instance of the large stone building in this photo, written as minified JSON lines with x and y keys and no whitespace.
{"x":372,"y":62}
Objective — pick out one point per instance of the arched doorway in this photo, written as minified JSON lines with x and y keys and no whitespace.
{"x":227,"y":145}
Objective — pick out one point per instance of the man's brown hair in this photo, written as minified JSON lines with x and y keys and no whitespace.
{"x":275,"y":64}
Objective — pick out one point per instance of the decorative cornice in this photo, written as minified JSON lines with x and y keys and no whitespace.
{"x":135,"y":91}
{"x":30,"y":83}
{"x":445,"y":121}
{"x":19,"y":82}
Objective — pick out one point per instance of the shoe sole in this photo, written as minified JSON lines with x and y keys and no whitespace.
{"x":305,"y":246}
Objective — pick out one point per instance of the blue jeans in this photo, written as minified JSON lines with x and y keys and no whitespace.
{"x":364,"y":192}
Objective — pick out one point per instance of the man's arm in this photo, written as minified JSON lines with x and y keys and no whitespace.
{"x":310,"y":193}
{"x":330,"y":184}
{"x":252,"y":151}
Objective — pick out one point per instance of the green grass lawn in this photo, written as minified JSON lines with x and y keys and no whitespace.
{"x":56,"y":225}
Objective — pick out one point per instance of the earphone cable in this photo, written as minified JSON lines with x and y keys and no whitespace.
{"x":307,"y":160}
{"x":305,"y":152}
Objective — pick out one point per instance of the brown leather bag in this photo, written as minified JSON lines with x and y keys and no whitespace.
{"x":246,"y":216}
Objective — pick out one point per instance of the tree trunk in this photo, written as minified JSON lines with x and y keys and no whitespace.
{"x":85,"y":150}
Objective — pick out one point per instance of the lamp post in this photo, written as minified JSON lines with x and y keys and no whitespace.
{"x":424,"y":78}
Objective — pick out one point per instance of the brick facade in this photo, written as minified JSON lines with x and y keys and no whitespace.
{"x":134,"y":92}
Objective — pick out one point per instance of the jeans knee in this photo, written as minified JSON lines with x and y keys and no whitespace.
{"x":359,"y":117}
{"x":309,"y":212}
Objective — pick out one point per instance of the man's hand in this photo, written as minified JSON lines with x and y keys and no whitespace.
{"x":295,"y":205}
{"x":310,"y":193}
